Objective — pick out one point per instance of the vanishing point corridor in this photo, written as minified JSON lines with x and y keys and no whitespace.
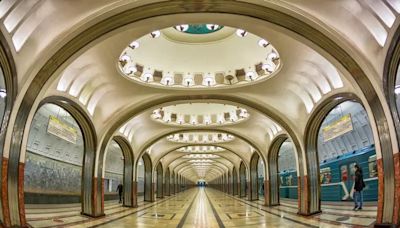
{"x":199,"y":113}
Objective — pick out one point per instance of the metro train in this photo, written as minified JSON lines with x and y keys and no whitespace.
{"x":336,"y":176}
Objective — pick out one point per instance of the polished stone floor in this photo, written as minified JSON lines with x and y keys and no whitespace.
{"x":199,"y":207}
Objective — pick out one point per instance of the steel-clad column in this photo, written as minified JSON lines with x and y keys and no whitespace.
{"x":129,"y":192}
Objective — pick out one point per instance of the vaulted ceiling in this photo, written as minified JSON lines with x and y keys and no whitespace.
{"x":147,"y":111}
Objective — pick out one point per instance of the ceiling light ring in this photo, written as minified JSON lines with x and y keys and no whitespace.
{"x":126,"y":59}
{"x":195,"y":120}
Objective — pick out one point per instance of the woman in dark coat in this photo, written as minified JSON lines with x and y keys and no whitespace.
{"x":358,"y":188}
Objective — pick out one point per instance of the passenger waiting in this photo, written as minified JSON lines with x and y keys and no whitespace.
{"x":358,"y":187}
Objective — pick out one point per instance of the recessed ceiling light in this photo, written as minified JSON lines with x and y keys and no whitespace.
{"x":130,"y":70}
{"x":241,"y":33}
{"x":134,"y":45}
{"x":125,"y":57}
{"x":155,"y":34}
{"x":272,"y":56}
{"x":267,"y":67}
{"x":263,"y":43}
{"x":397,"y":90}
{"x":212,"y":27}
{"x":182,"y":28}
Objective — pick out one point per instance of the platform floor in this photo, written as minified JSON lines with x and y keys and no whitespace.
{"x":199,"y":207}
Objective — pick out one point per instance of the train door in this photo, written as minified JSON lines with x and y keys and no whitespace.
{"x":347,"y":180}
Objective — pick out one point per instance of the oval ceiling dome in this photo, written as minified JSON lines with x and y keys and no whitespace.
{"x":199,"y":56}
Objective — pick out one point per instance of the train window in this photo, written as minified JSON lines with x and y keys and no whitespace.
{"x":289,"y":180}
{"x":325,"y":175}
{"x":372,"y":167}
{"x":352,"y":170}
{"x":344,"y":172}
{"x":282,"y":179}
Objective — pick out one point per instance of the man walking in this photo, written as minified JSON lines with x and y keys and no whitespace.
{"x":120,"y":190}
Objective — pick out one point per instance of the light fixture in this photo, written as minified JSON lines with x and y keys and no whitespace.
{"x":167,"y":117}
{"x":243,"y":113}
{"x":134,"y":45}
{"x":168,"y":79}
{"x":157,"y":114}
{"x":251,"y":75}
{"x":197,"y":156}
{"x":263,"y":43}
{"x":125,"y":58}
{"x":147,"y":76}
{"x":199,"y":138}
{"x":192,"y":118}
{"x":198,"y":149}
{"x":155,"y":34}
{"x":132,"y":65}
{"x":130,"y":70}
{"x":188,"y":82}
{"x":267,"y":67}
{"x":212,"y":27}
{"x":396,"y":90}
{"x":272,"y":56}
{"x":3,"y":93}
{"x":209,"y":80}
{"x":182,"y":28}
{"x":241,"y":32}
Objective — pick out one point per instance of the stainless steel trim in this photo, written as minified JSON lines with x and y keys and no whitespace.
{"x":128,"y":171}
{"x":273,"y":155}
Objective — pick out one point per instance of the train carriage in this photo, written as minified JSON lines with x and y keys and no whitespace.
{"x":336,"y":176}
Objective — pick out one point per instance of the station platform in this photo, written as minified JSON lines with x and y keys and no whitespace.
{"x":202,"y":207}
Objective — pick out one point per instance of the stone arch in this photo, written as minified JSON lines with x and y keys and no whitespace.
{"x":167,"y":184}
{"x":185,"y":145}
{"x":9,"y":72}
{"x":272,"y":184}
{"x":232,"y":183}
{"x":220,"y":167}
{"x":129,"y":192}
{"x":176,"y":181}
{"x":148,"y":178}
{"x":160,"y":181}
{"x":390,"y":74}
{"x":224,"y":157}
{"x":243,"y":180}
{"x":253,"y":178}
{"x":186,"y":164}
{"x":235,"y":182}
{"x":390,"y":71}
{"x":149,"y":143}
{"x":311,"y":136}
{"x":88,"y":187}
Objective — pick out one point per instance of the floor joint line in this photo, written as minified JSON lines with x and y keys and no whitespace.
{"x":183,"y":219}
{"x":220,"y":223}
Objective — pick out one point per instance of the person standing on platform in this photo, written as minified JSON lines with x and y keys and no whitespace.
{"x":359,"y":185}
{"x":120,"y":190}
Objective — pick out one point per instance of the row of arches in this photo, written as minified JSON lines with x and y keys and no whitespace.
{"x":249,"y":188}
{"x":248,"y":184}
{"x":91,"y":186}
{"x":335,"y":173}
{"x":244,"y":183}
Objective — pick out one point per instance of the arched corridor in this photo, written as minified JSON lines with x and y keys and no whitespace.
{"x":199,"y":113}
